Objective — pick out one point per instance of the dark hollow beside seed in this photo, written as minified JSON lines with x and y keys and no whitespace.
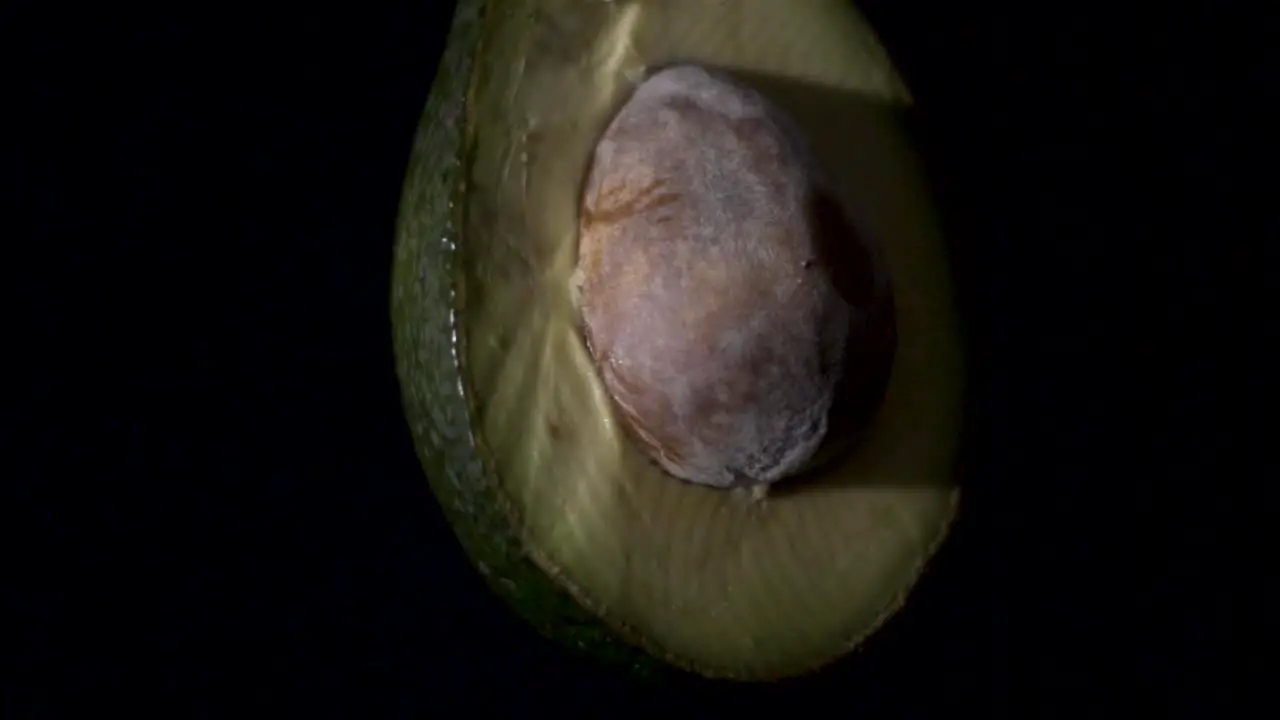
{"x":736,"y":317}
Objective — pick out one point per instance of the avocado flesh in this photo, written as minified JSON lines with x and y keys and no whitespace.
{"x":569,"y":521}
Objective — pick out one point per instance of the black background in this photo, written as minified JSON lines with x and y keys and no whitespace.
{"x":218,"y":504}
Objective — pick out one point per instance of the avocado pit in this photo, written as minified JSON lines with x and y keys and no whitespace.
{"x":741,"y":325}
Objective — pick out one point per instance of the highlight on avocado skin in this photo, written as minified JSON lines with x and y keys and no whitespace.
{"x":674,"y":329}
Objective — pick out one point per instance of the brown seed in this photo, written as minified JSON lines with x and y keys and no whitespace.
{"x":727,"y":301}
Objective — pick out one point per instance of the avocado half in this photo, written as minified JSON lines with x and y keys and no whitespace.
{"x":587,"y":539}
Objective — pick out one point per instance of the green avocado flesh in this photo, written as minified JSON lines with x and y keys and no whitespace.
{"x":586,"y":538}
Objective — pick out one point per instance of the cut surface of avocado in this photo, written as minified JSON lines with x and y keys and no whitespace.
{"x":581,"y":532}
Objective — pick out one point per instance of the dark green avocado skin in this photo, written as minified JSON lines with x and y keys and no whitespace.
{"x":435,"y":403}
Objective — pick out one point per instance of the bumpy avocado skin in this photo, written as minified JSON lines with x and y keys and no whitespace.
{"x":422,"y":308}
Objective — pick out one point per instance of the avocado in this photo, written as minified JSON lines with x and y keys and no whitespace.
{"x":561,"y":509}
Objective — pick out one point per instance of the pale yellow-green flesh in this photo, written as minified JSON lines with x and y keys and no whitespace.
{"x":703,"y":576}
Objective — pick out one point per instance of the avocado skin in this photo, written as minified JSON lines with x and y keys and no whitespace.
{"x":435,"y":404}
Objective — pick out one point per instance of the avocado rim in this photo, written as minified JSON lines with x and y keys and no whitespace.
{"x":426,"y":350}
